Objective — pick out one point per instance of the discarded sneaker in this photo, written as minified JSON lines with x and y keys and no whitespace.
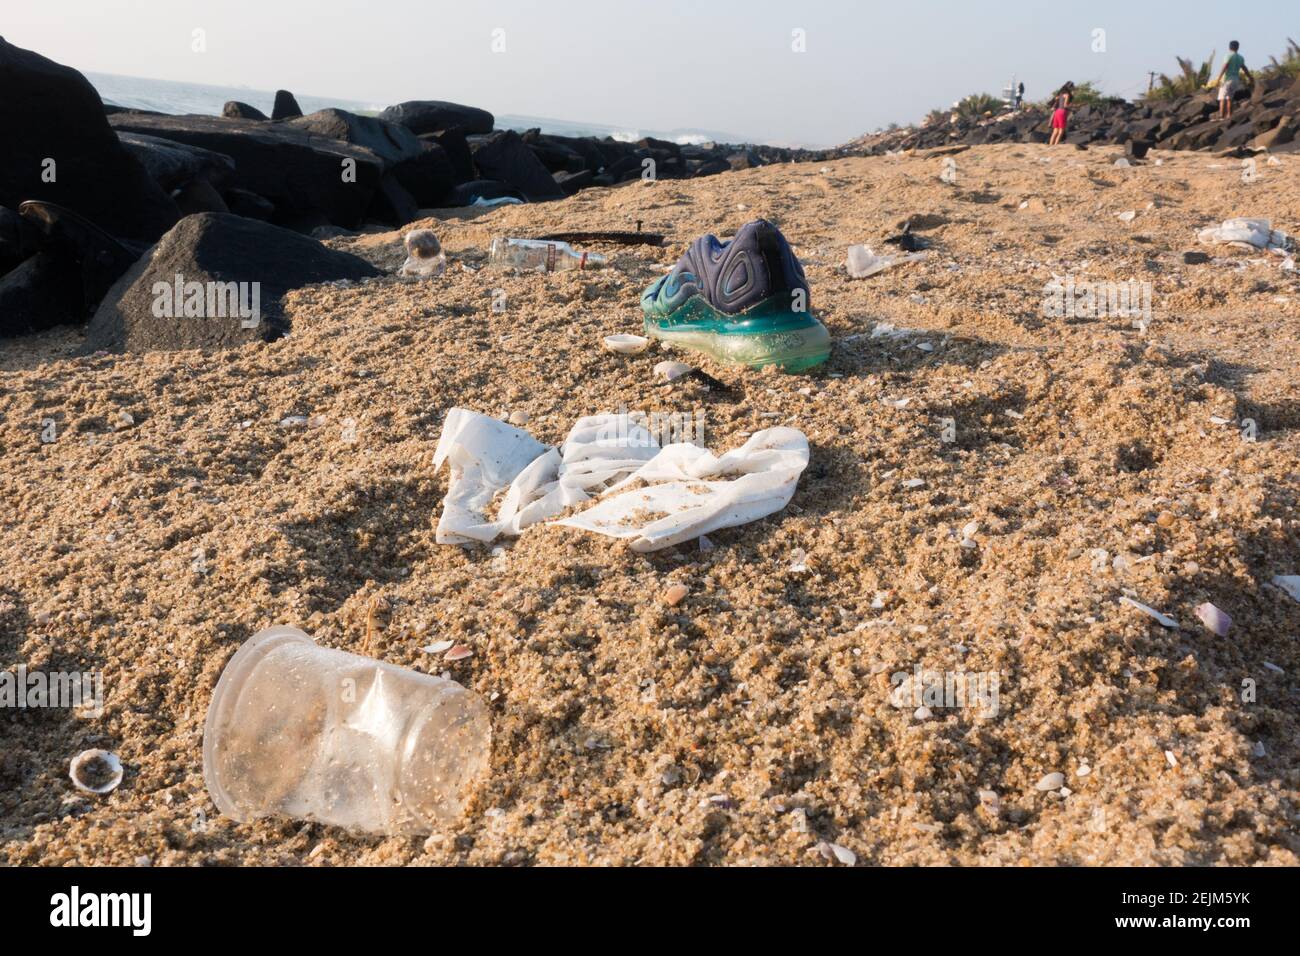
{"x":744,"y":302}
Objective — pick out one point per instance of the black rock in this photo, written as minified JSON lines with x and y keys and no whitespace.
{"x":237,"y":110}
{"x":299,"y":171}
{"x":50,"y":112}
{"x":172,"y":164}
{"x":504,"y":156}
{"x":572,"y":182}
{"x":286,"y":107}
{"x":428,"y":177}
{"x":431,"y":116}
{"x":392,"y":205}
{"x":15,"y":245}
{"x":248,"y":204}
{"x":97,"y":258}
{"x":41,"y":293}
{"x":421,"y":170}
{"x":217,"y":249}
{"x":1138,"y":148}
{"x":707,"y":167}
{"x":744,"y":159}
{"x":456,"y":146}
{"x":199,"y":195}
{"x":391,"y":142}
{"x":1193,"y":258}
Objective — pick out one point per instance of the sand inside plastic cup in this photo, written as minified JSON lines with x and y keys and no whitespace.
{"x":309,"y":732}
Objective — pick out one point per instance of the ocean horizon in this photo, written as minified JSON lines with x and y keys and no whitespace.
{"x":171,"y":96}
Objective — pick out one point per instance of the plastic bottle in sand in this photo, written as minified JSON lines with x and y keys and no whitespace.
{"x":538,"y":255}
{"x":305,"y":731}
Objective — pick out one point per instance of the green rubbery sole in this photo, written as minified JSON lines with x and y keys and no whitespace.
{"x":771,"y":333}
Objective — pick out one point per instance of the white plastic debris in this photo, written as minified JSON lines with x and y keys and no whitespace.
{"x":96,"y":771}
{"x":864,"y":263}
{"x":690,"y":491}
{"x":1290,"y":583}
{"x":1213,"y":618}
{"x":1245,"y":234}
{"x":1164,"y":619}
{"x":626,"y":344}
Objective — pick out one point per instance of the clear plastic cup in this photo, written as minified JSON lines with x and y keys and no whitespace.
{"x":305,"y":731}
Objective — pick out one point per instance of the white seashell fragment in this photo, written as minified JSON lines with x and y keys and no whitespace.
{"x":1127,"y":216}
{"x":1216,"y":620}
{"x":438,"y":648}
{"x":1290,"y":583}
{"x":914,"y":483}
{"x":833,"y":851}
{"x":1164,"y":619}
{"x":671,"y":371}
{"x":799,"y":561}
{"x":627,"y":344}
{"x":458,"y":653}
{"x":96,"y":771}
{"x":1051,"y":781}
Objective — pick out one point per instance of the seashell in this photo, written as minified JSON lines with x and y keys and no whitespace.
{"x":844,"y":854}
{"x":438,"y":648}
{"x":914,"y":483}
{"x":458,"y":653}
{"x":1127,"y":216}
{"x":90,"y":766}
{"x":519,"y":417}
{"x":627,"y":344}
{"x":676,"y":594}
{"x":799,"y":561}
{"x":1290,"y":583}
{"x":1164,"y":619}
{"x":1051,"y":781}
{"x":1216,"y":620}
{"x":672,"y":371}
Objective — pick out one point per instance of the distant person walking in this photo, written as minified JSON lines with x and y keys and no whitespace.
{"x":1061,"y":114}
{"x":1229,"y":79}
{"x":1020,"y":95}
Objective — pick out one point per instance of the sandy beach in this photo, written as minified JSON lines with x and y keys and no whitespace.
{"x":174,"y":515}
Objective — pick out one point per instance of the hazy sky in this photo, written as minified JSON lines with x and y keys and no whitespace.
{"x":727,"y":65}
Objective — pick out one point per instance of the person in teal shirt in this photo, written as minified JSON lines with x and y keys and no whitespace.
{"x":1230,"y":79}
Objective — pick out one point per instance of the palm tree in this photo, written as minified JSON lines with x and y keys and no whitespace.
{"x":1189,"y":80}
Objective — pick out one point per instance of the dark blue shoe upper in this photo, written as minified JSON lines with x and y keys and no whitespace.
{"x":732,"y":276}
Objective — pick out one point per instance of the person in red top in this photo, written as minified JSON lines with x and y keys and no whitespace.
{"x":1061,"y":115}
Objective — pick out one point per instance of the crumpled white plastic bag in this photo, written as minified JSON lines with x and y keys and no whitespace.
{"x":686,"y":497}
{"x":1245,"y":234}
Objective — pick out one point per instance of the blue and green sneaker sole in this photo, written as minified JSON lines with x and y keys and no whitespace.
{"x":769,"y":333}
